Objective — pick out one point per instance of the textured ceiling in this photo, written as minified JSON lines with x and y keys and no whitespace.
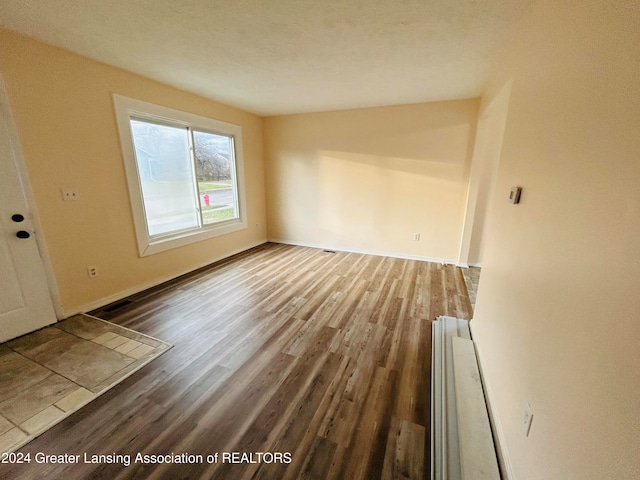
{"x":285,"y":56}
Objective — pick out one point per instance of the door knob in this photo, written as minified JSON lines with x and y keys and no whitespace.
{"x":16,"y":217}
{"x":23,"y":234}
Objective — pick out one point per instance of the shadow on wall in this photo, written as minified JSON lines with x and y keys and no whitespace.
{"x":369,"y":179}
{"x":439,"y":168}
{"x":406,"y":131}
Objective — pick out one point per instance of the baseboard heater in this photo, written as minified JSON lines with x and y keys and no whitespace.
{"x":462,"y":446}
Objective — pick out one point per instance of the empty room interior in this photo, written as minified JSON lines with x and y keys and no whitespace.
{"x":344,"y":165}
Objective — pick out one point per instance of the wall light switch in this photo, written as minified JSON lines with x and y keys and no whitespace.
{"x":514,"y":196}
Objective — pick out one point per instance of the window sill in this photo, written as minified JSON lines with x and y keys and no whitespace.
{"x":149,"y":246}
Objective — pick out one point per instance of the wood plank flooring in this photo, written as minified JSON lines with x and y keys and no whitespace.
{"x":281,"y":349}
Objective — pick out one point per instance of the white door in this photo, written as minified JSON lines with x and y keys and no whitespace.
{"x":25,"y":301}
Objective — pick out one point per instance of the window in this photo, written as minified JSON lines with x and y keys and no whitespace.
{"x":184,"y":174}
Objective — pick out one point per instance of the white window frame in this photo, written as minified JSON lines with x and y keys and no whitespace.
{"x":125,"y":109}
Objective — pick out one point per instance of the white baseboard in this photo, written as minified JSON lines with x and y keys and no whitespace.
{"x":365,"y":252}
{"x":468,"y":265}
{"x":496,"y":426}
{"x":140,"y":288}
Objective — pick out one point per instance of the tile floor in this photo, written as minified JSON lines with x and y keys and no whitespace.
{"x":50,"y":373}
{"x":471,"y":279}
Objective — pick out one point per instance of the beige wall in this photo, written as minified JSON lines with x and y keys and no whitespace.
{"x":367,"y":179}
{"x":486,"y":158}
{"x":558,"y":304}
{"x":62,"y":106}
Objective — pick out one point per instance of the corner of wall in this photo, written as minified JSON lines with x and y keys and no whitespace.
{"x":496,"y":426}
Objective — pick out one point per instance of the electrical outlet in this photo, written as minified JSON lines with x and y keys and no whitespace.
{"x":416,"y":237}
{"x":527,"y":418}
{"x":92,"y":272}
{"x":69,"y":194}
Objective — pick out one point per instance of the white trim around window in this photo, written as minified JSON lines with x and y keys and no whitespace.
{"x":128,"y":109}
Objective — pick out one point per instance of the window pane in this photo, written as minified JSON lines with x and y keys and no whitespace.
{"x":166,"y":176}
{"x":215,"y":170}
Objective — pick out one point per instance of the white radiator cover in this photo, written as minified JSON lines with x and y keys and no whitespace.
{"x":461,"y":442}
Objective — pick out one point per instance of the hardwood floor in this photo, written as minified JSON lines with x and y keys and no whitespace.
{"x":321,"y":356}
